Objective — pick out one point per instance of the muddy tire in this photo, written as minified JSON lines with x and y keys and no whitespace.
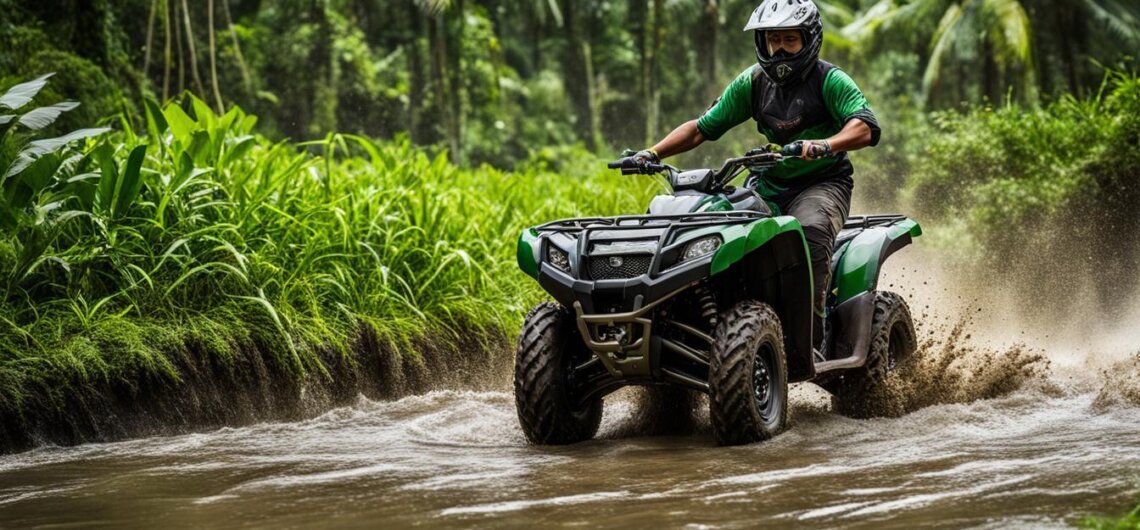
{"x":546,"y":349}
{"x":748,"y":375}
{"x":892,"y":341}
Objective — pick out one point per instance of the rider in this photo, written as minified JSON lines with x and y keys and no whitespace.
{"x":795,"y":97}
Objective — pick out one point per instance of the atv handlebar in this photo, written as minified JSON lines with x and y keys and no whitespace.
{"x":761,"y":158}
{"x":631,"y":166}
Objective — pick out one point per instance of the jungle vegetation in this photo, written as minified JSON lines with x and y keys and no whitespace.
{"x":217,"y":173}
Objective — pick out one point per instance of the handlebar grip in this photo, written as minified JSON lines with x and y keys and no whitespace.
{"x":616,"y":164}
{"x":793,"y":149}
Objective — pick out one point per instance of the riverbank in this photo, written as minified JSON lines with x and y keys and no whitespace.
{"x":185,"y":273}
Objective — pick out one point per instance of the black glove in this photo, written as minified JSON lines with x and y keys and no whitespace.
{"x":635,"y":162}
{"x":808,"y":149}
{"x":645,"y":157}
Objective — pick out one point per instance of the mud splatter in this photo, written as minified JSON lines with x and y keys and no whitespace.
{"x":1121,"y":385}
{"x":949,"y":368}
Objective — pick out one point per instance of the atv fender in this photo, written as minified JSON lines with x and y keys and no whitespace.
{"x":863,"y":257}
{"x":857,"y":276}
{"x":527,"y":252}
{"x":768,"y":260}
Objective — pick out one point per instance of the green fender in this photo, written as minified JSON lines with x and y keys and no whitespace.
{"x":772,"y":256}
{"x":527,"y":253}
{"x":862,"y":257}
{"x":739,"y":240}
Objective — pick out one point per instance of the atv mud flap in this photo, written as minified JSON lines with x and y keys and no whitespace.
{"x":625,"y":345}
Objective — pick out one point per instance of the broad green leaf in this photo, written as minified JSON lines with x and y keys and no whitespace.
{"x":205,"y":116}
{"x":108,"y":178}
{"x":239,"y":150}
{"x":129,"y":182}
{"x":38,"y":148}
{"x":21,"y":94}
{"x":180,"y":123}
{"x":34,"y":179}
{"x":44,"y":116}
{"x":155,"y":120}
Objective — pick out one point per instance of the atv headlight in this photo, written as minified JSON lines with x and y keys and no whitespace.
{"x":700,"y":247}
{"x":557,"y":258}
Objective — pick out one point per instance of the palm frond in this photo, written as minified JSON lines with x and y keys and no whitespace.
{"x":1121,"y":20}
{"x":948,"y":29}
{"x":1009,"y":32}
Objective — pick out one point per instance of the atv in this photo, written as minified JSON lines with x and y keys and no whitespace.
{"x":710,"y":291}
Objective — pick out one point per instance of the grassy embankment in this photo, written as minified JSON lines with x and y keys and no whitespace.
{"x":196,"y":242}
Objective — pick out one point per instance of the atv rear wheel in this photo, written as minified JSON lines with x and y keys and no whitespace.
{"x":892,"y":341}
{"x":548,"y":349}
{"x":748,"y":375}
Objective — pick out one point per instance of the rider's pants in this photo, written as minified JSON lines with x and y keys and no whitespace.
{"x":821,"y":209}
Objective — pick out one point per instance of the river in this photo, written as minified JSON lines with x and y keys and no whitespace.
{"x":457,"y":459}
{"x":1042,"y":456}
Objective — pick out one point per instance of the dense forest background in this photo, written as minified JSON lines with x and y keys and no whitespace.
{"x":500,"y":82}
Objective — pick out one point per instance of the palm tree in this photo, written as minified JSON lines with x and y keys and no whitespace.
{"x":974,"y":48}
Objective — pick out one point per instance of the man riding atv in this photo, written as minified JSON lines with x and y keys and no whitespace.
{"x":715,"y":288}
{"x":794,"y":96}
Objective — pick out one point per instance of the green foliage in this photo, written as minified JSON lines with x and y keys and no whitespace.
{"x":29,"y":52}
{"x":198,"y":217}
{"x":1043,"y":190}
{"x":1128,"y":521}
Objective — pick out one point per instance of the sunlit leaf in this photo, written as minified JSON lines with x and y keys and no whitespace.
{"x":44,"y":116}
{"x":21,"y":94}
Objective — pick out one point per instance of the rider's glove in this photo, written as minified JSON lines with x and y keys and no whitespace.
{"x":814,"y":149}
{"x":645,"y":157}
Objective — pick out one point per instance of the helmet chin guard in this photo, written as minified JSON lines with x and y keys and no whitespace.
{"x":802,"y":15}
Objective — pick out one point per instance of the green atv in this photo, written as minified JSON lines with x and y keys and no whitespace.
{"x":711,"y":292}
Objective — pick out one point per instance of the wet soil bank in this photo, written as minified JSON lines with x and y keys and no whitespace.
{"x":250,"y":387}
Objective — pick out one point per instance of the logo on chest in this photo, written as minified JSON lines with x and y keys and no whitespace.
{"x":788,"y":124}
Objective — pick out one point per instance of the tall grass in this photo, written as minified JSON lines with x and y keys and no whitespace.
{"x":194,"y":229}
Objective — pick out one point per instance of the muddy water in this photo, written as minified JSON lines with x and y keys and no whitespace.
{"x":1034,"y":459}
{"x":1058,"y":443}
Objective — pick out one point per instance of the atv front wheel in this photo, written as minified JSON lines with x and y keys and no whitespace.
{"x":548,"y":349}
{"x":892,"y":340}
{"x":748,"y":375}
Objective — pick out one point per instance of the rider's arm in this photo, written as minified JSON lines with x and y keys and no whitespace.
{"x":856,"y":134}
{"x":685,"y":137}
{"x":847,"y":104}
{"x":732,"y":108}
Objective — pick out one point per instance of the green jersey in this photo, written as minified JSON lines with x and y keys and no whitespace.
{"x":814,"y":109}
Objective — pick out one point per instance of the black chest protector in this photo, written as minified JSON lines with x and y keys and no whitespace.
{"x":782,"y":112}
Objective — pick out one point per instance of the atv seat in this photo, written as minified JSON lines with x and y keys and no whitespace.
{"x":745,"y":198}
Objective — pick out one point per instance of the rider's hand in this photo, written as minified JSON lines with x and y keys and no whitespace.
{"x":645,"y":157}
{"x":814,"y":149}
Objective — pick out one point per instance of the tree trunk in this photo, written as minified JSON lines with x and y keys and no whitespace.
{"x":415,"y":75}
{"x":656,"y":36}
{"x":214,"y":58}
{"x":439,"y":81}
{"x":181,"y":45}
{"x":576,"y":79}
{"x":149,"y":39}
{"x":166,"y":56}
{"x":707,"y":46}
{"x":324,"y":91}
{"x":454,"y":43}
{"x":198,"y":86}
{"x":245,"y":77}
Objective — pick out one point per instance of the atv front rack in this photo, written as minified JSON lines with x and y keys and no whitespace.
{"x":635,"y":222}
